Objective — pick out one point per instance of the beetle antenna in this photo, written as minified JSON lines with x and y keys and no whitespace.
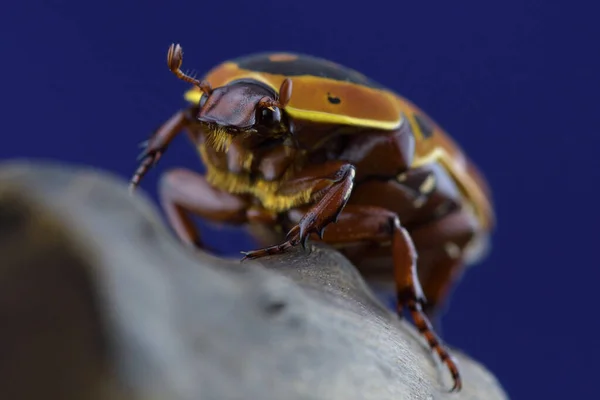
{"x":174,"y":61}
{"x":285,"y":92}
{"x":267,"y":102}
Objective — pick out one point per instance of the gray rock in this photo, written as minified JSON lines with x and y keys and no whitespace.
{"x":98,"y":300}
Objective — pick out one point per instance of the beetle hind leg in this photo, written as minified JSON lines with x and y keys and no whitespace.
{"x":410,"y":295}
{"x":369,"y":224}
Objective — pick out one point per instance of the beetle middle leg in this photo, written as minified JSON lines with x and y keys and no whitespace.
{"x":371,"y":224}
{"x":183,"y":192}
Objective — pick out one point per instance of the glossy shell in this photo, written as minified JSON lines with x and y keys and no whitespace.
{"x":323,"y":91}
{"x":326,"y":92}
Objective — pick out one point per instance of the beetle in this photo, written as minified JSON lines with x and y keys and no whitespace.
{"x":296,"y":143}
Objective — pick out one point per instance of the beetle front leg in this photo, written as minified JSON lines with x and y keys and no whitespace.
{"x":157,"y":144}
{"x":183,"y":193}
{"x":331,"y":192}
{"x":368,"y":224}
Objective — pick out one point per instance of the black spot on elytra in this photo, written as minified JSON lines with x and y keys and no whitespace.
{"x":425,"y":126}
{"x":333,"y":99}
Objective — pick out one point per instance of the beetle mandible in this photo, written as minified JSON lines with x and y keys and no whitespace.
{"x":306,"y":146}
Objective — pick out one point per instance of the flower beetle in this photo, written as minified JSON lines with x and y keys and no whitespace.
{"x":303,"y":145}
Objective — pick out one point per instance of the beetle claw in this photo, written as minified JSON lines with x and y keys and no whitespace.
{"x":142,"y":155}
{"x":246,"y":254}
{"x":321,"y":232}
{"x":304,"y":241}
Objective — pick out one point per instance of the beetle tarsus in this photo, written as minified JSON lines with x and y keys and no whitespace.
{"x":267,"y":251}
{"x":424,"y":326}
{"x":141,"y":171}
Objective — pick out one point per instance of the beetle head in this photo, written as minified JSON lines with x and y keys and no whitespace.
{"x":243,"y":106}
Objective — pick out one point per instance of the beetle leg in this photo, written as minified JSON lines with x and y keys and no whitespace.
{"x":368,"y":224}
{"x":157,"y":144}
{"x":331,"y":193}
{"x":183,"y":193}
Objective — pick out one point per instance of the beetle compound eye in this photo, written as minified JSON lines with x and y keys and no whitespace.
{"x":268,"y":116}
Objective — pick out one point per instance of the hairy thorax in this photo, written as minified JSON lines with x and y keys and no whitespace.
{"x":239,"y":165}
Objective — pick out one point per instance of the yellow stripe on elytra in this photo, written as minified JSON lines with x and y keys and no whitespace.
{"x":413,"y":126}
{"x":466,"y":185}
{"x":193,"y":96}
{"x":329,"y":118}
{"x":265,"y":191}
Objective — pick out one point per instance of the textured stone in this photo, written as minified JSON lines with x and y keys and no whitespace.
{"x":98,"y":300}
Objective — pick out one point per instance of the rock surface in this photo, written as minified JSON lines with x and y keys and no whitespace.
{"x":98,"y":300}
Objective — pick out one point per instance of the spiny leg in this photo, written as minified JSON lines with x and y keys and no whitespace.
{"x":183,"y":193}
{"x":157,"y":144}
{"x":332,"y":189}
{"x":361,"y":223}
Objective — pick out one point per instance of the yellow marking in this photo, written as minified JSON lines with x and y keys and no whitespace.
{"x":428,"y":185}
{"x":401,"y":177}
{"x":193,"y":96}
{"x":452,"y":250}
{"x":219,"y":139}
{"x":265,"y":191}
{"x":328,"y":118}
{"x":247,"y":161}
{"x":465,"y":183}
{"x":416,"y":128}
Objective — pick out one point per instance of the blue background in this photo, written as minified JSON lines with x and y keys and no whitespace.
{"x":516,"y":82}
